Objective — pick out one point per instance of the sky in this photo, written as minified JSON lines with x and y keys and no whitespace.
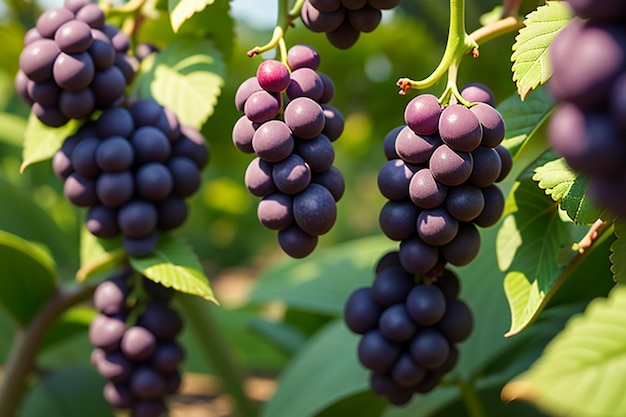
{"x":260,"y":14}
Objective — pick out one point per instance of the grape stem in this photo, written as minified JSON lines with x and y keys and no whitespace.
{"x":471,"y":399}
{"x":284,"y":20}
{"x":20,"y":363}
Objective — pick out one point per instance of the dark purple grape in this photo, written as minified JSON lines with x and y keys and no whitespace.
{"x":394,"y":178}
{"x":167,"y":357}
{"x":304,"y":117}
{"x":305,"y":82}
{"x":51,"y":20}
{"x":377,"y":353}
{"x":49,"y":115}
{"x":429,"y":348}
{"x":396,"y":325}
{"x":384,"y":4}
{"x":609,"y":193}
{"x":459,"y":128}
{"x":397,"y":219}
{"x":185,"y":176}
{"x":73,"y":72}
{"x":292,"y":175}
{"x":389,"y":143}
{"x":169,"y":124}
{"x":354,"y":4}
{"x":464,"y":247}
{"x":507,"y":162}
{"x":361,"y":312}
{"x":465,"y":202}
{"x":77,"y":104}
{"x":415,"y":148}
{"x":486,"y":167}
{"x":192,"y":145}
{"x":406,"y":372}
{"x":273,"y":75}
{"x":114,"y":189}
{"x":273,"y":141}
{"x":80,"y":190}
{"x":333,"y":180}
{"x":140,"y":246}
{"x":172,"y":212}
{"x":128,"y":65}
{"x":344,"y":36}
{"x":299,"y":56}
{"x":118,"y":395}
{"x":262,"y":106}
{"x":154,"y":181}
{"x":150,"y":145}
{"x":145,"y":49}
{"x":388,"y":260}
{"x":449,"y":284}
{"x":102,"y":221}
{"x":365,"y":19}
{"x":245,"y":90}
{"x":598,"y":10}
{"x":425,"y":191}
{"x":274,"y":211}
{"x":258,"y":177}
{"x":492,"y":124}
{"x":457,"y":322}
{"x":478,"y":93}
{"x":146,"y":383}
{"x":422,"y":114}
{"x":110,"y":296}
{"x":157,"y":291}
{"x":22,"y":84}
{"x":145,"y":112}
{"x":318,"y":152}
{"x":37,"y":59}
{"x":430,"y":381}
{"x":108,"y":87}
{"x":326,"y":5}
{"x":162,"y":321}
{"x":73,"y":37}
{"x":84,"y":157}
{"x":295,"y":242}
{"x":119,"y":39}
{"x":138,"y":343}
{"x":61,"y":162}
{"x":391,"y":285}
{"x":101,"y":51}
{"x":436,"y":226}
{"x":417,"y":256}
{"x":451,"y":361}
{"x":242,"y":134}
{"x":320,"y":22}
{"x":106,"y":332}
{"x":91,"y":14}
{"x":426,"y":304}
{"x":451,"y":167}
{"x":137,"y":218}
{"x":334,"y":122}
{"x":329,"y":88}
{"x":314,"y":210}
{"x":494,"y":207}
{"x":149,"y":408}
{"x":114,"y":366}
{"x":31,"y":36}
{"x":115,"y":153}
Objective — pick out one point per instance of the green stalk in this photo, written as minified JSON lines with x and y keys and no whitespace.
{"x":471,"y":399}
{"x":216,"y":351}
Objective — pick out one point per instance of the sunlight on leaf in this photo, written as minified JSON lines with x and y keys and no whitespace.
{"x":618,"y":254}
{"x":41,"y":142}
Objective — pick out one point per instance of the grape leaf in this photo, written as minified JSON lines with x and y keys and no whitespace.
{"x":13,"y":127}
{"x":568,"y":188}
{"x":97,"y":255}
{"x":29,"y":277}
{"x":581,"y":372}
{"x":618,"y":253}
{"x":187,"y":77}
{"x":531,"y":63}
{"x":173,"y":264}
{"x":533,"y":245}
{"x":213,"y":22}
{"x":181,"y":10}
{"x":41,"y":142}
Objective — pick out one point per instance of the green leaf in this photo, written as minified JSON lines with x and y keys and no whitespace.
{"x":523,"y":119}
{"x":98,"y":255}
{"x":187,"y":77}
{"x":568,"y":188}
{"x":533,"y":246}
{"x":71,"y":323}
{"x":531,"y":63}
{"x":41,"y":142}
{"x":173,"y":264}
{"x":327,"y":366}
{"x":67,"y":392}
{"x":181,"y":10}
{"x":312,"y":284}
{"x":13,"y":127}
{"x":581,"y":372}
{"x":28,"y":279}
{"x":214,"y":22}
{"x":618,"y":253}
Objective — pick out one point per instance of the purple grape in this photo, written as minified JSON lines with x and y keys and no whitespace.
{"x":344,"y":36}
{"x":169,"y":124}
{"x":101,"y":51}
{"x":242,"y":134}
{"x":451,"y":361}
{"x":451,"y":167}
{"x":425,"y":191}
{"x":110,"y":296}
{"x":138,"y":343}
{"x":140,"y":246}
{"x":114,"y":189}
{"x":429,"y":348}
{"x":507,"y":162}
{"x":377,"y":353}
{"x":305,"y":82}
{"x":185,"y":176}
{"x":394,"y":178}
{"x":391,"y":285}
{"x":262,"y":106}
{"x":326,"y":5}
{"x":291,"y":175}
{"x":73,"y":37}
{"x":464,"y":247}
{"x":422,"y":114}
{"x":146,"y":383}
{"x":51,"y":20}
{"x":157,"y":291}
{"x":457,"y":322}
{"x":118,"y":395}
{"x":93,"y":15}
{"x":492,"y":124}
{"x":314,"y":210}
{"x":426,"y":304}
{"x":361,"y":312}
{"x":37,"y":59}
{"x":486,"y":168}
{"x":245,"y":90}
{"x":154,"y":181}
{"x":108,"y":87}
{"x":295,"y":242}
{"x":192,"y":145}
{"x":418,"y":257}
{"x":318,"y":152}
{"x":384,"y":4}
{"x":494,"y":207}
{"x":73,"y":72}
{"x":396,"y":325}
{"x":49,"y":115}
{"x":354,"y":4}
{"x":478,"y":93}
{"x":22,"y":84}
{"x":102,"y":221}
{"x":274,"y":211}
{"x":128,"y":65}
{"x":172,"y":212}
{"x":80,"y":190}
{"x":448,"y":283}
{"x":61,"y":162}
{"x":365,"y":19}
{"x":329,"y":88}
{"x":167,"y":357}
{"x":334,"y":122}
{"x":273,"y":141}
{"x":273,"y":75}
{"x":84,"y":157}
{"x":115,"y":153}
{"x":397,"y":219}
{"x":145,"y":112}
{"x":415,"y":148}
{"x":389,"y":260}
{"x":304,"y":117}
{"x":598,"y":10}
{"x":106,"y":332}
{"x":149,"y":408}
{"x":389,"y":143}
{"x":31,"y":36}
{"x":162,"y":321}
{"x":114,"y":366}
{"x":258,"y":177}
{"x":333,"y":180}
{"x":150,"y":145}
{"x":465,"y":202}
{"x":436,"y":226}
{"x":318,"y":21}
{"x":303,"y":56}
{"x":137,"y":218}
{"x":406,"y":372}
{"x":459,"y":128}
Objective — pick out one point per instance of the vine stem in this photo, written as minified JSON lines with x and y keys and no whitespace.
{"x":216,"y":351}
{"x":471,"y":399}
{"x":498,"y":28}
{"x":283,"y":22}
{"x":21,"y":360}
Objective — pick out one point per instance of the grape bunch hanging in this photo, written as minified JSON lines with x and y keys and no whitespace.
{"x":292,"y":137}
{"x":73,"y":63}
{"x":440,"y":184}
{"x":588,"y":59}
{"x":138,"y":357}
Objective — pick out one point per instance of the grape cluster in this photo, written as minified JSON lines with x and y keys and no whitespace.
{"x":290,"y":126}
{"x":140,"y":359}
{"x":133,"y":167}
{"x":409,"y":330}
{"x":73,"y":63}
{"x":343,"y":20}
{"x":588,"y":58}
{"x":439,"y":180}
